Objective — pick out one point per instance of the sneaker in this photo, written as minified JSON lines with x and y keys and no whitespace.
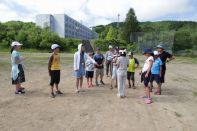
{"x":77,"y":91}
{"x":102,"y":82}
{"x":20,"y":92}
{"x":59,"y":92}
{"x":148,"y":101}
{"x":53,"y":95}
{"x":96,"y":83}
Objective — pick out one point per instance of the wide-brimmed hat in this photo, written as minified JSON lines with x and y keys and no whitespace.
{"x":160,"y":46}
{"x":16,"y":43}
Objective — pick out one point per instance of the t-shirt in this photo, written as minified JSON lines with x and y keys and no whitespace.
{"x":156,"y":66}
{"x":164,"y":57}
{"x":55,"y":65}
{"x":89,"y":65}
{"x":99,"y":59}
{"x":123,"y":63}
{"x":132,"y":62}
{"x":15,"y":56}
{"x":109,"y":55}
{"x":146,"y":64}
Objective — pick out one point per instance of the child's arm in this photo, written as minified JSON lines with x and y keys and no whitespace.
{"x":149,"y":68}
{"x":49,"y":64}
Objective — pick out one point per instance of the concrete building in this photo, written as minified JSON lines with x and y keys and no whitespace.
{"x":65,"y":26}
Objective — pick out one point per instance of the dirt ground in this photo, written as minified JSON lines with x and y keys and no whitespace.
{"x":96,"y":109}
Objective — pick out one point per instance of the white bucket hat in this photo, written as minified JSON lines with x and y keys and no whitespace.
{"x":54,"y":46}
{"x":16,"y":43}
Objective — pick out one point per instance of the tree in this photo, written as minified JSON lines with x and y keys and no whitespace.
{"x":130,"y":26}
{"x":112,"y":33}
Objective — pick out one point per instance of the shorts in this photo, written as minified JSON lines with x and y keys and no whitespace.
{"x":114,"y":72}
{"x":21,"y":76}
{"x":99,"y":72}
{"x":162,"y":78}
{"x":130,"y":75}
{"x":155,"y":77}
{"x":81,"y":72}
{"x":89,"y":74}
{"x":144,"y":79}
{"x":55,"y":77}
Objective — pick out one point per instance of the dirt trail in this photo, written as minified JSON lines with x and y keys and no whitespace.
{"x":97,"y":109}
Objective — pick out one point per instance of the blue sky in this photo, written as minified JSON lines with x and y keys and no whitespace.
{"x":97,"y":12}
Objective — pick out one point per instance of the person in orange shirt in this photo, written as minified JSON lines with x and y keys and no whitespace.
{"x":54,"y":68}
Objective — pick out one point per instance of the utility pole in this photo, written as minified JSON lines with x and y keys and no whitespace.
{"x":118,"y":21}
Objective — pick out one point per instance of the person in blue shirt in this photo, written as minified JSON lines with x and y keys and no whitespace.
{"x":99,"y":58}
{"x":156,"y":72}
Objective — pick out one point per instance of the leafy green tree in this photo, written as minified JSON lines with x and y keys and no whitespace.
{"x":112,"y":33}
{"x":130,"y":26}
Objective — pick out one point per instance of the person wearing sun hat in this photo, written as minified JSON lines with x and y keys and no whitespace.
{"x":54,"y":68}
{"x":146,"y":73}
{"x":17,"y":71}
{"x":165,"y":57}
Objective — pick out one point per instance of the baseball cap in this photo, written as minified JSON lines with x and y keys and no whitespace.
{"x":54,"y":46}
{"x":110,"y":47}
{"x":16,"y":43}
{"x":156,"y":53}
{"x":147,"y":51}
{"x":130,"y":53}
{"x":160,"y":46}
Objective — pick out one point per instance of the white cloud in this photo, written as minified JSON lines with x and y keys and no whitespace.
{"x":95,"y":12}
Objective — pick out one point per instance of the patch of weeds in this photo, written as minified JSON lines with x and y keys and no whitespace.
{"x":177,"y":114}
{"x":194,"y":93}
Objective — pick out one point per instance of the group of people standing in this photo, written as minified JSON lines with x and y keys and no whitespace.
{"x":118,"y":66}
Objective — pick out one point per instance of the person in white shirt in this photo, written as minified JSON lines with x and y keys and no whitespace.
{"x":89,"y":70}
{"x":122,"y":64}
{"x":146,"y":73}
{"x":108,"y":57}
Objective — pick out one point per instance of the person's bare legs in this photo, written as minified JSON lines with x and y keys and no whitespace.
{"x":129,"y":83}
{"x":81,"y":82}
{"x":151,"y":86}
{"x":17,"y":87}
{"x":77,"y":84}
{"x":147,"y":91}
{"x":91,"y":82}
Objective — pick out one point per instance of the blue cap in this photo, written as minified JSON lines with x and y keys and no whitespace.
{"x":160,"y":46}
{"x":147,"y":51}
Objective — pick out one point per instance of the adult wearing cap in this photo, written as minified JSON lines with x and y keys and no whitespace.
{"x":17,"y":71}
{"x":99,"y":58}
{"x":54,"y":68}
{"x":165,"y":57}
{"x":109,"y":56}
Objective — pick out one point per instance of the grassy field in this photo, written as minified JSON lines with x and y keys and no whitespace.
{"x":96,"y":109}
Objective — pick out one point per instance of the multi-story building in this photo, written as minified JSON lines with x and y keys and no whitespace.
{"x":65,"y":26}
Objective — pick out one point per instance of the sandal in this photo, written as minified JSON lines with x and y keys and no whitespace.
{"x":148,"y":101}
{"x":157,"y":93}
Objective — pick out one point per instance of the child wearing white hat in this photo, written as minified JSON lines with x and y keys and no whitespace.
{"x":17,"y":72}
{"x":54,"y":68}
{"x":156,"y":73}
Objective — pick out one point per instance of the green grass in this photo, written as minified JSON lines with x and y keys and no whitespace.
{"x":177,"y":114}
{"x":194,"y":93}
